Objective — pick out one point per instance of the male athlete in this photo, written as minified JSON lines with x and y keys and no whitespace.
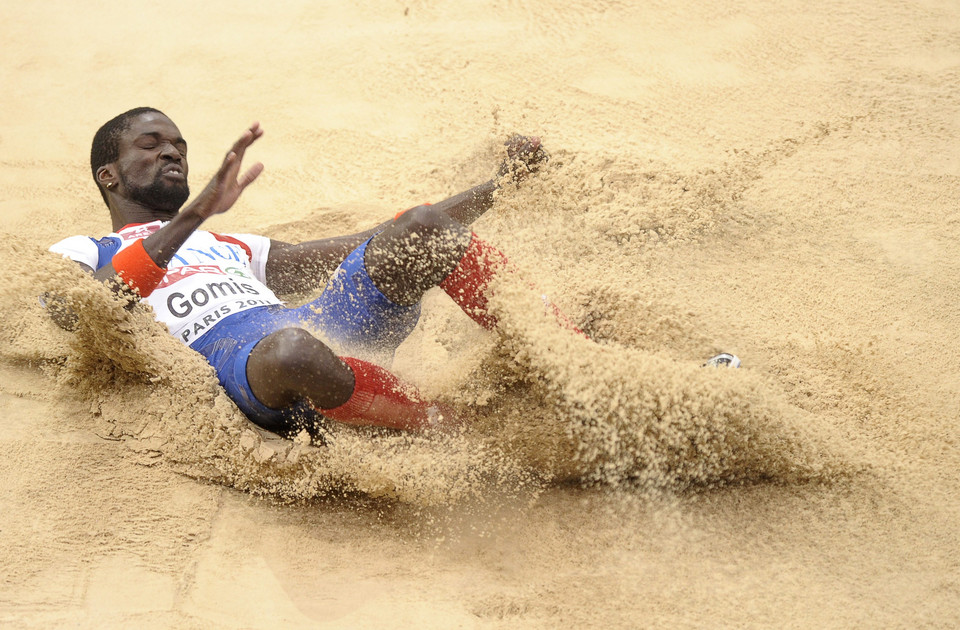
{"x":218,"y":293}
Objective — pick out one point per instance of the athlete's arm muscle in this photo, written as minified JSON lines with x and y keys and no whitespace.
{"x":302,"y":267}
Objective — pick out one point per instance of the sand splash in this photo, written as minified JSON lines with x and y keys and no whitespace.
{"x":627,"y":409}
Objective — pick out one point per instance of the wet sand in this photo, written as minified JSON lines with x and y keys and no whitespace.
{"x":780,"y":183}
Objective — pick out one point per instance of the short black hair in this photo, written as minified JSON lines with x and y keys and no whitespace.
{"x":106,"y":145}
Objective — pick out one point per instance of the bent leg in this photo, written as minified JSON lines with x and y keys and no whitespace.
{"x":382,"y":399}
{"x":415,"y":253}
{"x":291,"y":366}
{"x":355,"y":316}
{"x":424,"y":248}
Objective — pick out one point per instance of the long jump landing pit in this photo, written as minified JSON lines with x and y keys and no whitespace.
{"x":779,"y":182}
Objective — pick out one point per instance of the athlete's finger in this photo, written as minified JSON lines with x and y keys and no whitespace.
{"x":229,"y":160}
{"x":247,"y":138}
{"x":230,"y":166}
{"x":530,"y":145}
{"x":251,"y":135}
{"x":519,"y":146}
{"x":240,"y":146}
{"x":252,"y":173}
{"x":242,"y":143}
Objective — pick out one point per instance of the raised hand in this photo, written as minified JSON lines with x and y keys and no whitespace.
{"x":227,"y":185}
{"x":525,"y":155}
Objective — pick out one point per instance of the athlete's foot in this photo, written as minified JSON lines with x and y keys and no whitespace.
{"x":723,"y":360}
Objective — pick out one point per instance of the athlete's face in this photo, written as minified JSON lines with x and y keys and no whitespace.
{"x":152,"y":167}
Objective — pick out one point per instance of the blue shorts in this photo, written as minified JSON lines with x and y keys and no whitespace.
{"x":351,"y":314}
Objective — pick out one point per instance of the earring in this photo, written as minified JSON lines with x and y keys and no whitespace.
{"x":111,"y":185}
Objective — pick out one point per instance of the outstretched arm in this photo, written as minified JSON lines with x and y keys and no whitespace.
{"x":301,"y":267}
{"x":525,"y":155}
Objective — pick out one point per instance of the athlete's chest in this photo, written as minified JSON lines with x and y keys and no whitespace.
{"x":206,"y":249}
{"x":200,"y":248}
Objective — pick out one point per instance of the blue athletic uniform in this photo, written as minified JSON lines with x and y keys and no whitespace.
{"x":351,"y":312}
{"x":214,"y":298}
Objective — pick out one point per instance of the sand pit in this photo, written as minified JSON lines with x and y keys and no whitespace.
{"x":779,"y":183}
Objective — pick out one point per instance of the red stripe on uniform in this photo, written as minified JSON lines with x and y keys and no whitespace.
{"x":229,"y":239}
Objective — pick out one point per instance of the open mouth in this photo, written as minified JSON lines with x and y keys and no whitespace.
{"x":173,"y":172}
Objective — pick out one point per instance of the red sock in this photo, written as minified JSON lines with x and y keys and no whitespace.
{"x":468,"y":284}
{"x":381,"y":399}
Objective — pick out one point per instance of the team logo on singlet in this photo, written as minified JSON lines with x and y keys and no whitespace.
{"x":137,"y":232}
{"x":182,"y":304}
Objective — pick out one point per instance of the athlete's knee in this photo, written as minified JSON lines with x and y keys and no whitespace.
{"x":295,"y":349}
{"x":415,"y":253}
{"x":421,"y":217}
{"x":291,"y":364}
{"x":425,"y":223}
{"x":296,"y":359}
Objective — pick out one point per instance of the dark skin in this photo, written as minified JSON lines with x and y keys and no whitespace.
{"x":405,"y":258}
